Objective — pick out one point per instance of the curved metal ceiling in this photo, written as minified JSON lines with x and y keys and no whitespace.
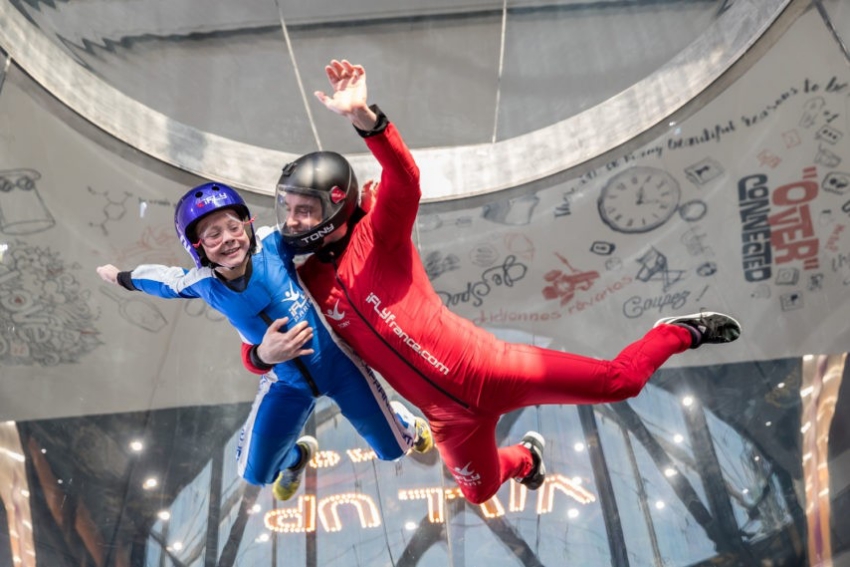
{"x":448,"y":172}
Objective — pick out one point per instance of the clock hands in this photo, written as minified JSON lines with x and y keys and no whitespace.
{"x":641,"y":200}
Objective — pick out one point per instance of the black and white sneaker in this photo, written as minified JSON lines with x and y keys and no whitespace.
{"x":706,"y":327}
{"x":535,"y":443}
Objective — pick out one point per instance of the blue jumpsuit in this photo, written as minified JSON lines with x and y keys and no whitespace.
{"x":285,"y":397}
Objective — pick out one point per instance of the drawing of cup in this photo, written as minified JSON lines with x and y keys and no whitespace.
{"x":138,"y":311}
{"x":21,"y":209}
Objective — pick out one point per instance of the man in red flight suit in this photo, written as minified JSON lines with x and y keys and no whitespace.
{"x":368,"y":280}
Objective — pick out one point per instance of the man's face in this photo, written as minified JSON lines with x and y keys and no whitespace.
{"x":302,"y":213}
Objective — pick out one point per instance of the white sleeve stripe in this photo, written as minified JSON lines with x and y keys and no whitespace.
{"x":173,"y":277}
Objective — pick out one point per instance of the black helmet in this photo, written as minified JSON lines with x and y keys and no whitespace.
{"x":329,"y":182}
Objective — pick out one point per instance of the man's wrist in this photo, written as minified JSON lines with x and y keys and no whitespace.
{"x":377,"y":127}
{"x":254,"y":356}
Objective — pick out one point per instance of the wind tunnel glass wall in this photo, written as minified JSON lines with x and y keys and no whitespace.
{"x":121,"y":414}
{"x":440,"y":62}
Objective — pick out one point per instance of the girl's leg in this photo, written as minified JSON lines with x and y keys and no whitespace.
{"x":362,"y":400}
{"x":267,"y":442}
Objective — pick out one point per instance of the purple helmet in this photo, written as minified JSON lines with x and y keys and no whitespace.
{"x":198,"y":203}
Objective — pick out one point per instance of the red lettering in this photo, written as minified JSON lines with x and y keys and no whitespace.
{"x":788,"y":216}
{"x":790,"y":194}
{"x":797,"y":251}
{"x":794,"y":224}
{"x":791,"y":232}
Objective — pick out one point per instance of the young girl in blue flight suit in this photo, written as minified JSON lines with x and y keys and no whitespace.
{"x":251,"y":279}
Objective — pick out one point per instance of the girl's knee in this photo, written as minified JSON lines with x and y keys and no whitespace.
{"x":251,"y":478}
{"x":389,"y":455}
{"x":257,"y":472}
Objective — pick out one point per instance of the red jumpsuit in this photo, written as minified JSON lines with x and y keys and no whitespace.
{"x":376,"y":295}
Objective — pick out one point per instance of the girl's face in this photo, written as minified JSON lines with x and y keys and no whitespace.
{"x":224,"y":238}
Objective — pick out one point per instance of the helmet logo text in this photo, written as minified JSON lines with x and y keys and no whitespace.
{"x":321,"y":233}
{"x":210,"y":200}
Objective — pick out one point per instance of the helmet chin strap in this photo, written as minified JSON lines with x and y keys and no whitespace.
{"x":244,"y":261}
{"x":235,"y":282}
{"x":332,"y":250}
{"x":216,"y":266}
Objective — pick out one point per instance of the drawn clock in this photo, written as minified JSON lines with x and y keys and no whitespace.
{"x":639,"y":199}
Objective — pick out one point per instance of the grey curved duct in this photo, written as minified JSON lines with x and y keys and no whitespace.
{"x":448,"y":173}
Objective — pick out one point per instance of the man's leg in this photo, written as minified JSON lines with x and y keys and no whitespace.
{"x":468,"y":448}
{"x":522,"y":375}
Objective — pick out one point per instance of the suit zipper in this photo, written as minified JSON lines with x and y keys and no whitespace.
{"x":389,"y":346}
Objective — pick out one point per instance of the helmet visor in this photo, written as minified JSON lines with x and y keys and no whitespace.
{"x":301,"y":209}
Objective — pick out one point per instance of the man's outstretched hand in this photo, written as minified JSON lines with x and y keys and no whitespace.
{"x":349,"y":97}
